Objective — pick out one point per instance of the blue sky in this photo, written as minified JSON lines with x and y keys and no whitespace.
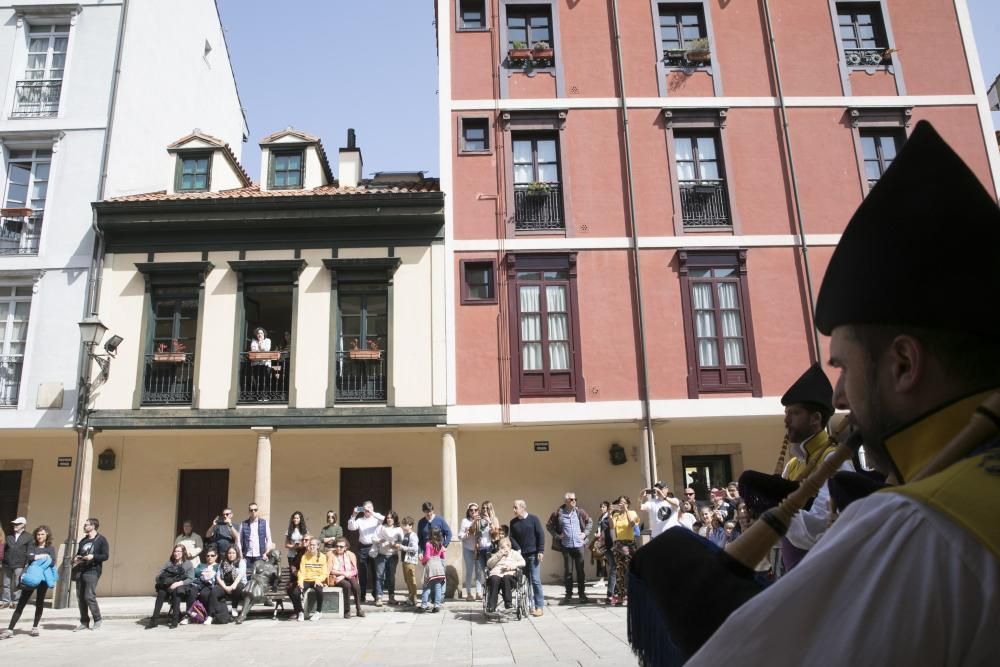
{"x":325,"y":66}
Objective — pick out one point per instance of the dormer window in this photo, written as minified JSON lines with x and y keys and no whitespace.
{"x":286,"y":169}
{"x":194,"y":172}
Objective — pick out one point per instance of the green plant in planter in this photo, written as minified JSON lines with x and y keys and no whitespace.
{"x":540,"y":46}
{"x":537,"y":188}
{"x":518,"y":44}
{"x":698,"y":45}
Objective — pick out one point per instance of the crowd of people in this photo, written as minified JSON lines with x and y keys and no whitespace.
{"x":29,"y":568}
{"x":233,"y":566}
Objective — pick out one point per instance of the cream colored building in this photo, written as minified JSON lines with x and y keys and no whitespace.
{"x":342,"y":403}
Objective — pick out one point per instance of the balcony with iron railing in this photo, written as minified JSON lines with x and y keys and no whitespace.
{"x":20,"y":231}
{"x":538,"y":207}
{"x":10,"y":380}
{"x":705,"y":204}
{"x":263,"y":377}
{"x":868,"y":57}
{"x":361,"y":376}
{"x":37,"y":98}
{"x":168,"y":379}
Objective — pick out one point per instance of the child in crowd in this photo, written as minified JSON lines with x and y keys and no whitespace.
{"x":409,"y":550}
{"x":434,"y":576}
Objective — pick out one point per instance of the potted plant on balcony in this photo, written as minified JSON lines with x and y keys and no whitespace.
{"x":537,"y":189}
{"x":698,"y":50}
{"x":372,"y":353}
{"x":519,"y":51}
{"x":542,"y":51}
{"x":172,"y":354}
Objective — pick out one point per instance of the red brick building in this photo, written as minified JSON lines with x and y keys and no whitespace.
{"x":654,"y":189}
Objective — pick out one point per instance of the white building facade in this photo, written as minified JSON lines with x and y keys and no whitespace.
{"x":92,"y":93}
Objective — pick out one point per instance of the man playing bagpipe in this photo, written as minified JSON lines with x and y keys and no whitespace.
{"x":909,"y":574}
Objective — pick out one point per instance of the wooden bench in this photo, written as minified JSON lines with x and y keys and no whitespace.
{"x":279,"y":596}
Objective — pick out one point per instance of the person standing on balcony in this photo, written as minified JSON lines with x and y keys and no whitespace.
{"x":260,"y":370}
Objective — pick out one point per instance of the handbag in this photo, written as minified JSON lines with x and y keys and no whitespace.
{"x":197,"y":613}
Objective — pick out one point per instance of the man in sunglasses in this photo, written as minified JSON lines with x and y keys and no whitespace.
{"x":255,"y":536}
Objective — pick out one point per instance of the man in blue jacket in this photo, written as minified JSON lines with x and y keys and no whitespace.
{"x":432,"y":520}
{"x":528,"y":537}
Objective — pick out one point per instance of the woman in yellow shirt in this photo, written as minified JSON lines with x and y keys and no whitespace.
{"x":312,"y":574}
{"x":623,"y":522}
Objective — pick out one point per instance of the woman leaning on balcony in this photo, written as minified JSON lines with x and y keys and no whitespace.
{"x":260,"y":370}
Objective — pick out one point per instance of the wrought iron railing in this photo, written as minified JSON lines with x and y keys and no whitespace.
{"x":686,"y":58}
{"x":705,"y":204}
{"x":867,"y":57}
{"x":168,"y":379}
{"x":361,"y":376}
{"x":10,"y":380}
{"x":37,"y":99}
{"x":538,"y":206}
{"x":20,"y":231}
{"x":263,"y":377}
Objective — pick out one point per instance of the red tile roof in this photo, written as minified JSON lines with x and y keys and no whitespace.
{"x":254,"y":191}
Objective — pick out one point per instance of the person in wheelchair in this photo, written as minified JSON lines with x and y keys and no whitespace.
{"x":502,"y":568}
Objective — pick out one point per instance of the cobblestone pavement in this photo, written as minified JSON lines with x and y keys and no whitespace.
{"x":590,"y":634}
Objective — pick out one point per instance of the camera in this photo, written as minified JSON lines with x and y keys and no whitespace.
{"x":359,"y":509}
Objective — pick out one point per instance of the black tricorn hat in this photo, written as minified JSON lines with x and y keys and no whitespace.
{"x":812,"y":387}
{"x":922,"y":250}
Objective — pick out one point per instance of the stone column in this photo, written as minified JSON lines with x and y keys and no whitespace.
{"x":449,"y":479}
{"x":449,"y":510}
{"x":262,"y":477}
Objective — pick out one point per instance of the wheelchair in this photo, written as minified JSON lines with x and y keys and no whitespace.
{"x":522,"y":601}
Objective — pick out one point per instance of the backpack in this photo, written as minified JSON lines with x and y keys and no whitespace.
{"x":197,"y":612}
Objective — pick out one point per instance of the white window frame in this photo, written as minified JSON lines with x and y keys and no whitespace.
{"x":10,"y":374}
{"x":37,"y":16}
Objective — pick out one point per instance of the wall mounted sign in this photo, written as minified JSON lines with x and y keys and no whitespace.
{"x":541,"y":445}
{"x":64,"y":462}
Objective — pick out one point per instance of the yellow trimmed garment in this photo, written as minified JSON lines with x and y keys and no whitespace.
{"x":313,"y":569}
{"x":964,"y":491}
{"x":817,"y":448}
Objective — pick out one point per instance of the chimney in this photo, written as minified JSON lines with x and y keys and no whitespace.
{"x":349,"y":168}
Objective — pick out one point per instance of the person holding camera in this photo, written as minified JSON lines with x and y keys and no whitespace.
{"x":91,"y":553}
{"x":221,"y":534}
{"x":623,"y":524}
{"x":661,"y":505}
{"x":570,"y":527}
{"x":366,"y":521}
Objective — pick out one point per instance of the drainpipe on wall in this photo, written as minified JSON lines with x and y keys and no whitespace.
{"x":803,"y":243}
{"x":500,"y":209}
{"x":91,"y":303}
{"x":649,"y":469}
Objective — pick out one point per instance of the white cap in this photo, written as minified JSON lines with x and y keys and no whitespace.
{"x":20,"y":520}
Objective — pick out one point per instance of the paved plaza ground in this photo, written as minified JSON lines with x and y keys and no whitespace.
{"x":591,"y":634}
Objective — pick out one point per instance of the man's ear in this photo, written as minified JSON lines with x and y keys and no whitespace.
{"x":906,"y":363}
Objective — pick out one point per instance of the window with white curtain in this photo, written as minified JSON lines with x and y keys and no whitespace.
{"x":720,"y":347}
{"x":15,"y":306}
{"x":545,"y":328}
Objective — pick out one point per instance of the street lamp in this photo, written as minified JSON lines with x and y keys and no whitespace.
{"x":92,"y":332}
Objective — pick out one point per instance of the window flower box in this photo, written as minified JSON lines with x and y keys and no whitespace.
{"x":699,"y":50}
{"x":364,"y":355}
{"x":169,"y":357}
{"x":537,"y":189}
{"x":519,"y":54}
{"x":546,"y":53}
{"x":263,"y":356}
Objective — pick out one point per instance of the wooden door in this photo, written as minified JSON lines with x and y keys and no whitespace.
{"x":358,"y":485}
{"x":10,"y":491}
{"x":201,"y":496}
